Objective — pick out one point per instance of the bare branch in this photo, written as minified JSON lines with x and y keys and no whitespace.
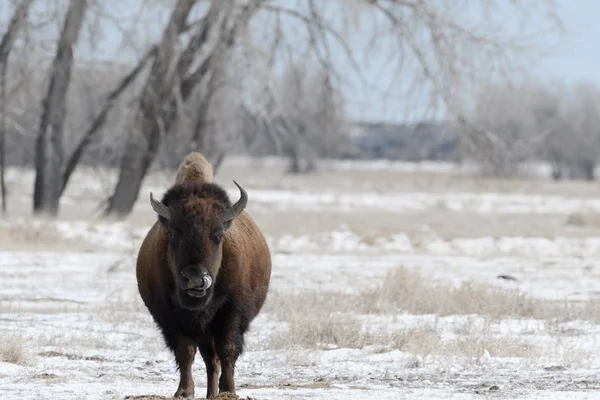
{"x":100,"y":119}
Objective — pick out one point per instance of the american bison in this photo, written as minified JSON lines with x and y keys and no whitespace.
{"x":203,"y":272}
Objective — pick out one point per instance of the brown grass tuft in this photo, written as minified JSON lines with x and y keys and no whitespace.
{"x":583,"y":219}
{"x":12,"y":351}
{"x":406,"y":290}
{"x":320,"y":319}
{"x":308,"y":331}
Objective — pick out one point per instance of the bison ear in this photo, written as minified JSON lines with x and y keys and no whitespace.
{"x":160,"y":208}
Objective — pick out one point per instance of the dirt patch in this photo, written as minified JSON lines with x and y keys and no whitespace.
{"x":45,"y":375}
{"x":220,"y":396}
{"x":229,"y":396}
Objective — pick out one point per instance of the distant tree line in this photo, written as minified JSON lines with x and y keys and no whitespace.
{"x":548,"y":122}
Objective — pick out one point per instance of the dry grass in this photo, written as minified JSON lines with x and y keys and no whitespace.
{"x":405,"y":290}
{"x":12,"y":350}
{"x":35,"y":235}
{"x":426,"y":341}
{"x":307,"y":331}
{"x":474,"y":346}
{"x":322,"y":319}
{"x":583,"y":219}
{"x":347,"y":332}
{"x":122,"y":305}
{"x":422,"y":340}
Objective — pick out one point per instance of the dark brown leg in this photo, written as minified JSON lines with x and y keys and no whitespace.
{"x":228,"y":355}
{"x":184,"y":355}
{"x":213,"y":368}
{"x":229,"y":347}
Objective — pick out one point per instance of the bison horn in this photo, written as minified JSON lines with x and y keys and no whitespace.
{"x":160,"y":208}
{"x":238,"y":207}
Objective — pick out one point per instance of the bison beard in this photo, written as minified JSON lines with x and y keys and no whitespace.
{"x":200,"y":234}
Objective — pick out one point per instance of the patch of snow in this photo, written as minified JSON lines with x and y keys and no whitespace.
{"x":410,"y":202}
{"x":87,"y":333}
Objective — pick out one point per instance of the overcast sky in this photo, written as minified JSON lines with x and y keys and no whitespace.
{"x":573,"y":57}
{"x":577,"y":57}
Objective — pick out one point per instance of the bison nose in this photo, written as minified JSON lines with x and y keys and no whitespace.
{"x":194,"y":278}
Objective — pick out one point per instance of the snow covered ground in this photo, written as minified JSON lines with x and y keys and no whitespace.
{"x":367,"y":303}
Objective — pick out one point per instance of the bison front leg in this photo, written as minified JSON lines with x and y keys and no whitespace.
{"x":213,"y":368}
{"x":229,"y":347}
{"x":185,"y":350}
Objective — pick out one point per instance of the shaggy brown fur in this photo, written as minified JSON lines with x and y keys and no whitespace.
{"x":193,"y":240}
{"x":195,"y":168}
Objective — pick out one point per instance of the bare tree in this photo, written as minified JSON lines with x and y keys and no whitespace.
{"x":142,"y":148}
{"x":440,"y":54}
{"x":19,"y":16}
{"x":49,"y":143}
{"x":173,"y":79}
{"x":212,"y":113}
{"x":437,"y":47}
{"x":522,"y":118}
{"x":539,"y":122}
{"x":305,"y":114}
{"x":100,"y":119}
{"x":574,"y":146}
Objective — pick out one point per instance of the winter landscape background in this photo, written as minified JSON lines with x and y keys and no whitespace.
{"x":424,"y":172}
{"x":385,"y":285}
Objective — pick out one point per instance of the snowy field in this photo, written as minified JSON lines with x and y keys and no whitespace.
{"x":390,"y":281}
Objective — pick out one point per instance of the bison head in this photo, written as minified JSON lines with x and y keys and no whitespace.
{"x":196,"y":217}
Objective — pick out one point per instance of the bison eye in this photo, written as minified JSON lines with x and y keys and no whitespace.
{"x":218,"y":236}
{"x":172,"y":233}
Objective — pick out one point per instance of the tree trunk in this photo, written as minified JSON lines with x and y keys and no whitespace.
{"x":301,"y":163}
{"x":49,"y":150}
{"x":302,"y":156}
{"x":557,"y":172}
{"x":6,"y":44}
{"x":3,"y":136}
{"x":160,"y":111}
{"x":203,"y":140}
{"x":134,"y":166}
{"x":158,"y":105}
{"x":156,"y":113}
{"x":588,"y":171}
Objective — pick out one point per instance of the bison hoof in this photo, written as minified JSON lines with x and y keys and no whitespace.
{"x":184,"y":393}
